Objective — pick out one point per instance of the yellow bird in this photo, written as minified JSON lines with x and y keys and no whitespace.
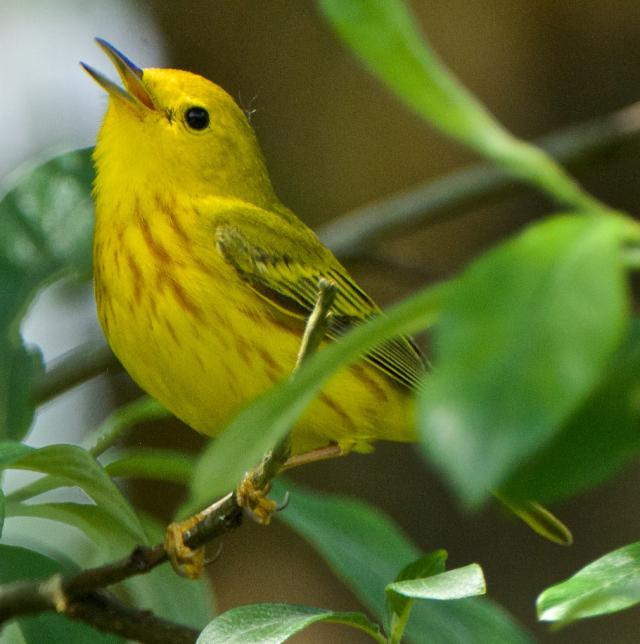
{"x":204,"y":280}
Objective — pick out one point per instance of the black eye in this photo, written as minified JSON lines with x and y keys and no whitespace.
{"x":197,"y":118}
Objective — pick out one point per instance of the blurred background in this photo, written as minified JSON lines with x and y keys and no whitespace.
{"x":334,"y":139}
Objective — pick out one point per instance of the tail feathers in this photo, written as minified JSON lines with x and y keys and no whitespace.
{"x":539,"y":519}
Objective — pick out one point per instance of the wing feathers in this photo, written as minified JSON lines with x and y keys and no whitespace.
{"x":284,"y":263}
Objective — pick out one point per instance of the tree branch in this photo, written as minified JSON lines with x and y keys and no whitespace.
{"x":81,"y":596}
{"x":98,"y":609}
{"x":106,"y":613}
{"x":73,"y":368}
{"x":442,"y":199}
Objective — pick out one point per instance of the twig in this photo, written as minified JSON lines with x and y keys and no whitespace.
{"x":73,"y":368}
{"x":99,"y":609}
{"x":81,"y":596}
{"x":105,"y":612}
{"x":317,"y":323}
{"x":351,"y":234}
{"x":314,"y":332}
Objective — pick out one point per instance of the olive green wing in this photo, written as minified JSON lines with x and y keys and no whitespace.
{"x":283,"y":261}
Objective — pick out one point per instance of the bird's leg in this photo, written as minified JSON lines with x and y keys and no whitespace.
{"x":253,"y":496}
{"x":252,"y":492}
{"x":333,"y":450}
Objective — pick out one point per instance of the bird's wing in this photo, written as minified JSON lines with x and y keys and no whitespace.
{"x":283,"y":261}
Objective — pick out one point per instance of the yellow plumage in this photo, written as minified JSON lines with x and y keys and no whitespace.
{"x":203,"y":279}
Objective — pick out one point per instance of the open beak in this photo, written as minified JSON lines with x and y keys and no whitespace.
{"x":134,"y":91}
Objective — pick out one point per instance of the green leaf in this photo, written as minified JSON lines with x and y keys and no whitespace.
{"x":184,"y":601}
{"x":46,"y":218}
{"x":45,"y":232}
{"x":398,"y":606}
{"x":365,"y":549}
{"x":275,"y":623}
{"x":75,"y":466}
{"x":265,"y":421}
{"x":538,"y":518}
{"x":19,"y":369}
{"x":113,"y":539}
{"x":18,"y":287}
{"x":607,"y":585}
{"x":467,"y":581}
{"x":11,"y":451}
{"x":36,"y":488}
{"x":453,"y":584}
{"x":383,"y":33}
{"x":432,"y":563}
{"x":599,"y":438}
{"x":3,"y":510}
{"x":161,"y":464}
{"x":519,"y":348}
{"x":47,"y":628}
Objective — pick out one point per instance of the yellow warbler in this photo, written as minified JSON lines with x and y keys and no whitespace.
{"x":204,"y":280}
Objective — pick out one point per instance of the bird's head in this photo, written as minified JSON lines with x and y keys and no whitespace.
{"x":179,"y":129}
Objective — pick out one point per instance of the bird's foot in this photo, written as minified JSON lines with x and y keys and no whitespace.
{"x":255,"y":501}
{"x":214,"y":520}
{"x":186,"y":561}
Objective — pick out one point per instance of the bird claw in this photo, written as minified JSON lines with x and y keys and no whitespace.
{"x":186,"y":561}
{"x":213,"y":558}
{"x":285,"y":502}
{"x":255,"y":500}
{"x":189,"y":562}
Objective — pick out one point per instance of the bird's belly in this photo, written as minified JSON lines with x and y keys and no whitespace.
{"x":202,"y":362}
{"x":204,"y":348}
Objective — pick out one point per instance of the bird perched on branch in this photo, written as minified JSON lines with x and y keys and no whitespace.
{"x":204,"y":280}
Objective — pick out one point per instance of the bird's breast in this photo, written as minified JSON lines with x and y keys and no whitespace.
{"x":178,"y":317}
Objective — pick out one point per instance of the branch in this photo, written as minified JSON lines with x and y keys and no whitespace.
{"x":106,"y":613}
{"x":98,"y":609}
{"x":445,"y":198}
{"x":73,"y":368}
{"x":81,"y":596}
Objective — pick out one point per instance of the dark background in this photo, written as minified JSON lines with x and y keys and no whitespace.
{"x":334,"y":139}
